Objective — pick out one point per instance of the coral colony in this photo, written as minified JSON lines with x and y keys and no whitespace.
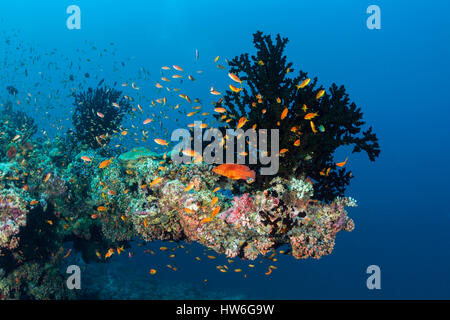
{"x":75,"y":191}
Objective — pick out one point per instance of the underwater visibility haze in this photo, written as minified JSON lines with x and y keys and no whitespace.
{"x":224,"y":150}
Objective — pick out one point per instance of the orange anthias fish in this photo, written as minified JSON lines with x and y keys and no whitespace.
{"x":155,"y":181}
{"x":105,"y":163}
{"x":303,"y":84}
{"x":341,"y":164}
{"x":313,"y":127}
{"x":109,"y":253}
{"x":235,"y":171}
{"x":234,"y":77}
{"x":47,"y":177}
{"x":284,"y":113}
{"x":311,"y":115}
{"x":242,"y":121}
{"x":320,"y":94}
{"x":161,"y":142}
{"x":220,"y":110}
{"x":234,"y":89}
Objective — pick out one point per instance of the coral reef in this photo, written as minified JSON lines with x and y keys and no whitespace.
{"x":74,"y":191}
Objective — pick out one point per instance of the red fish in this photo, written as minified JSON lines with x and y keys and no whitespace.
{"x":235,"y":171}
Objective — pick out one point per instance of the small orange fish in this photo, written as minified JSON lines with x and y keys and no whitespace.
{"x":341,"y":164}
{"x":190,"y":114}
{"x":147,"y":121}
{"x":311,"y":115}
{"x":303,"y":84}
{"x":320,"y":94}
{"x":152,"y":271}
{"x":242,"y":121}
{"x":313,"y":127}
{"x":215,"y":211}
{"x":161,"y":142}
{"x":67,"y":254}
{"x":157,"y":180}
{"x":101,"y":115}
{"x":190,"y":211}
{"x":101,"y":209}
{"x":105,"y":163}
{"x":189,"y":187}
{"x":282,"y":151}
{"x":297,"y":142}
{"x":234,"y":77}
{"x":234,"y":89}
{"x":86,"y":159}
{"x":205,"y":220}
{"x":109,"y":253}
{"x":220,"y":110}
{"x":47,"y":177}
{"x":214,"y":201}
{"x":177,"y":68}
{"x":34,"y":202}
{"x":284,"y":113}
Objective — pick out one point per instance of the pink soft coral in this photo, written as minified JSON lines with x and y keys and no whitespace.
{"x":241,"y":207}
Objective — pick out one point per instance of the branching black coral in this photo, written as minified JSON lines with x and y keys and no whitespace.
{"x":269,"y":88}
{"x":95,"y":117}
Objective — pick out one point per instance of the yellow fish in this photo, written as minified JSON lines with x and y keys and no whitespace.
{"x":303,"y":84}
{"x":320,"y":94}
{"x":234,"y":89}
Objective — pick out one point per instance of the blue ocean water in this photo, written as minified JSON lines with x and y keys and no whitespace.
{"x":398,"y":76}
